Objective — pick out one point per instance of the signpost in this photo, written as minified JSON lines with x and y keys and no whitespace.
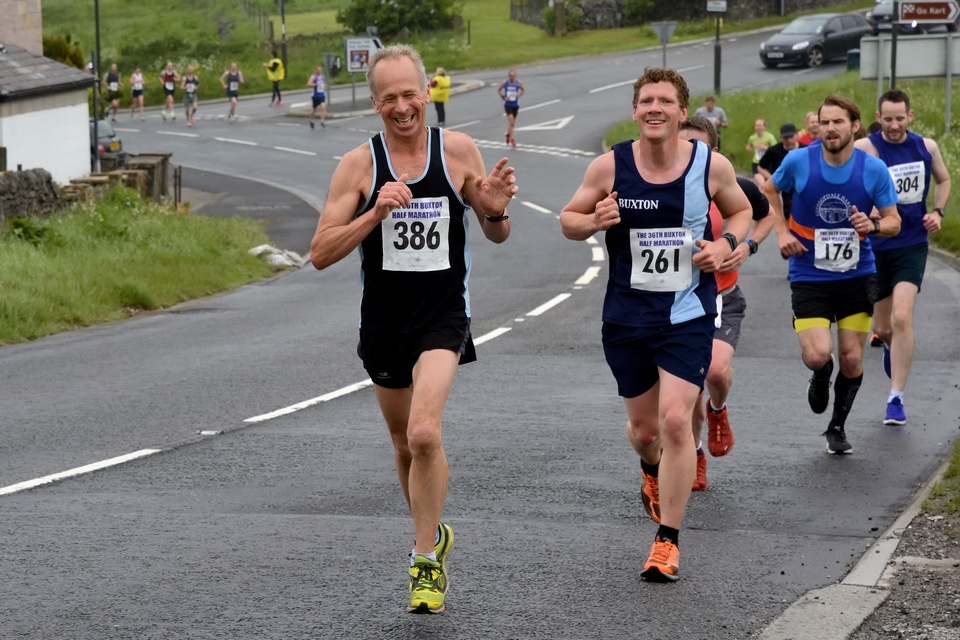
{"x":664,"y":30}
{"x":359,"y":51}
{"x":929,"y":11}
{"x":718,"y":7}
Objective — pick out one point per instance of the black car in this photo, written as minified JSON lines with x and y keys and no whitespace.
{"x":108,"y":143}
{"x":812,"y":40}
{"x":881,"y":19}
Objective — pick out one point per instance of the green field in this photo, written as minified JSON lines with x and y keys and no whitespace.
{"x":209,"y":34}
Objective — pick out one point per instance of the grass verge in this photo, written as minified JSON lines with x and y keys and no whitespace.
{"x":114,"y":259}
{"x":944,"y":495}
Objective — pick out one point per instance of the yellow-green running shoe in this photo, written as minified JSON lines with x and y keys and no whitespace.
{"x":444,"y":544}
{"x":428,"y":586}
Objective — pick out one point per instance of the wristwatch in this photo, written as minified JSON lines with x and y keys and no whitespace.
{"x":753,"y":246}
{"x":940,"y":211}
{"x":876,"y":227}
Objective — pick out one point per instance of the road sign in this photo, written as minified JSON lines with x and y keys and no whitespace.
{"x":359,"y":51}
{"x":927,"y":11}
{"x":717,"y":6}
{"x":664,"y":30}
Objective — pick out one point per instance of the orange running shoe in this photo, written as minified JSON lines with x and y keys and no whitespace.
{"x":720,"y":439}
{"x":663,"y":565}
{"x":651,"y":495}
{"x":700,"y":482}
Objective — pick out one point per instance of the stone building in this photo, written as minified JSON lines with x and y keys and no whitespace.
{"x":44,"y":114}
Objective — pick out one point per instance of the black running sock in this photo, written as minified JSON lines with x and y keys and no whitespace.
{"x":845,"y":392}
{"x":652,"y":470}
{"x":666,"y":534}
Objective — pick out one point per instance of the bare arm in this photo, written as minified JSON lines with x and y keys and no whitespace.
{"x":788,"y":244}
{"x":941,"y":189}
{"x":488,"y":194}
{"x":338,"y":231}
{"x":735,"y":209}
{"x":594,"y":206}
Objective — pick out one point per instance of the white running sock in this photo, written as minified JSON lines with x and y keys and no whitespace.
{"x":430,"y":556}
{"x":895,"y":393}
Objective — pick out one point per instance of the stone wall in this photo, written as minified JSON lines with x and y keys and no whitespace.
{"x":21,"y":23}
{"x":27,"y":193}
{"x":606,"y":14}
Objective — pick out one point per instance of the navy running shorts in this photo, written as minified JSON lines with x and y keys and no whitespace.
{"x":511,"y":111}
{"x":389,"y":357}
{"x":636,"y":354}
{"x":906,"y":264}
{"x":318,"y":100}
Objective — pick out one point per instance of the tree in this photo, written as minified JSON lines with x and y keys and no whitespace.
{"x":393,"y":16}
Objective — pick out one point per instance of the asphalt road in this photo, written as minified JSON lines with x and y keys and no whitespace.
{"x":249,"y":522}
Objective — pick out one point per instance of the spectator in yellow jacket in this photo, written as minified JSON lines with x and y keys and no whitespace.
{"x":440,"y":94}
{"x":275,"y":74}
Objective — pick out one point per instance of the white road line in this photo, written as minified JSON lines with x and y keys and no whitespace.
{"x":301,"y":152}
{"x":126,"y":130}
{"x":297,"y":105}
{"x":546,"y":306}
{"x":592,"y":240}
{"x":588,"y":276}
{"x":465,"y":124}
{"x":287,"y":124}
{"x":356,"y":386}
{"x":612,"y":86}
{"x":542,"y":104}
{"x":246,"y":142}
{"x":496,"y":333}
{"x":338,"y":157}
{"x":96,"y":466}
{"x":626,"y":82}
{"x":178,"y":133}
{"x":598,"y":255}
{"x":535,"y":207}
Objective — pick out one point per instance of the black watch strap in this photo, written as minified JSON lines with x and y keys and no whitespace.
{"x":754,"y":247}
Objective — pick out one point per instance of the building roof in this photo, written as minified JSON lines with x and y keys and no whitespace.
{"x":24,"y":74}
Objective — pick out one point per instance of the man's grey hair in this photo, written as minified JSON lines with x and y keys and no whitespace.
{"x":395,"y":52}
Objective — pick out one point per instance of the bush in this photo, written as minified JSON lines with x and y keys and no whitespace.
{"x":62,"y":49}
{"x":574,"y":18}
{"x":393,"y":16}
{"x":636,"y":12}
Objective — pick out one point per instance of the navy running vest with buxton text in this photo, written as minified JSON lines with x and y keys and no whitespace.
{"x":653,"y":282}
{"x":415,"y":264}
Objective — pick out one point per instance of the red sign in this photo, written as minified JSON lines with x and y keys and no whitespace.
{"x":927,"y":11}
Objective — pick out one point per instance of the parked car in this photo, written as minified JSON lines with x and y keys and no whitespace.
{"x":108,"y":143}
{"x":881,"y":19}
{"x":812,"y":40}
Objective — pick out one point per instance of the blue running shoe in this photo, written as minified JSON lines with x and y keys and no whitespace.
{"x":886,"y":360}
{"x":895,"y":413}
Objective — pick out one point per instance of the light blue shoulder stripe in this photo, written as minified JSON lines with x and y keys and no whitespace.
{"x":696,"y":215}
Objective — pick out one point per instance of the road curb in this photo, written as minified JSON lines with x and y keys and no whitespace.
{"x":836,"y":611}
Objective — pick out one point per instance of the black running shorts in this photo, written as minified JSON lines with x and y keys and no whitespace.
{"x":389,"y":357}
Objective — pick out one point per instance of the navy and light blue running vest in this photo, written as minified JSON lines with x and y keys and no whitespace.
{"x":681,"y":204}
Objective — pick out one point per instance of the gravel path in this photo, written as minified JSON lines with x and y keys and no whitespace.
{"x":924,"y":583}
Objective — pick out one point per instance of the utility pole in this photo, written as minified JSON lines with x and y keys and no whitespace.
{"x":283,"y":35}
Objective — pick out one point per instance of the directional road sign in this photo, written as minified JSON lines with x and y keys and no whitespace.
{"x":927,"y":11}
{"x":359,"y":51}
